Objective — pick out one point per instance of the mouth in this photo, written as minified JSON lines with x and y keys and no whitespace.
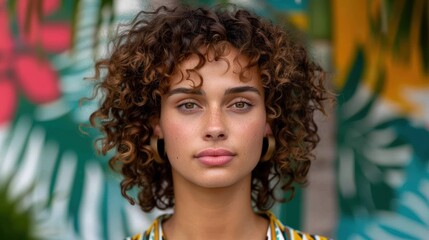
{"x":215,"y":157}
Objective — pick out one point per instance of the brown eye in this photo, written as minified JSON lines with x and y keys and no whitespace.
{"x":189,"y":105}
{"x":240,"y":105}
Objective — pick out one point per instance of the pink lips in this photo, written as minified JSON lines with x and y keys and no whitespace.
{"x":215,"y":157}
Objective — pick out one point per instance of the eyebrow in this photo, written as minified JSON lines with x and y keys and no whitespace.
{"x":228,"y":91}
{"x":235,"y":90}
{"x":185,"y":91}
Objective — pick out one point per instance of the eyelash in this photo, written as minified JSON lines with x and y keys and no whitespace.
{"x":247,"y":105}
{"x":182,"y":106}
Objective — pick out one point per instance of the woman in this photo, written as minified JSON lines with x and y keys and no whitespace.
{"x":208,"y":110}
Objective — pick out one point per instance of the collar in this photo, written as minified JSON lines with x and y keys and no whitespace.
{"x":155,"y":231}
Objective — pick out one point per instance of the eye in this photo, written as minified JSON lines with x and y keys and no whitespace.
{"x":188,"y":106}
{"x":241,"y":105}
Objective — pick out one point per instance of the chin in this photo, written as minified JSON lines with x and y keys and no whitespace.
{"x":220,"y":181}
{"x":215,"y":184}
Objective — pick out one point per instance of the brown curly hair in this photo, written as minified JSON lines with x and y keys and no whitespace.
{"x":133,"y":78}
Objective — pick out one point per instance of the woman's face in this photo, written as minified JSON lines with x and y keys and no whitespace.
{"x":213,"y":135}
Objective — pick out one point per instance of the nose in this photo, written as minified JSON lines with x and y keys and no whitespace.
{"x":215,"y":128}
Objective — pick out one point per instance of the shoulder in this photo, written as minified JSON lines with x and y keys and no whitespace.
{"x":283,"y":232}
{"x":135,"y":237}
{"x":277,"y":231}
{"x":292,"y":234}
{"x":153,"y":232}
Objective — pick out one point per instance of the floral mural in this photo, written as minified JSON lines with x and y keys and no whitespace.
{"x":382,"y":119}
{"x":53,"y":185}
{"x":23,"y":56}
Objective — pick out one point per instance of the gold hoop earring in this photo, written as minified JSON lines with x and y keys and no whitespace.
{"x":268,"y":147}
{"x":157,"y":146}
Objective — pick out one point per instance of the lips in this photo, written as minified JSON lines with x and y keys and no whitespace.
{"x":215,"y":157}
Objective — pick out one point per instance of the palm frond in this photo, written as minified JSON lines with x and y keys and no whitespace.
{"x":364,"y":176}
{"x":353,"y":78}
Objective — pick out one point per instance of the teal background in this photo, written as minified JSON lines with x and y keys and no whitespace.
{"x":374,"y":179}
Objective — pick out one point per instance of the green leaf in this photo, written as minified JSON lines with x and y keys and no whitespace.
{"x":106,"y":7}
{"x":401,"y":42}
{"x":424,"y":37}
{"x":76,"y":195}
{"x":14,"y":223}
{"x":74,"y":23}
{"x":11,"y":6}
{"x":364,"y":111}
{"x":354,"y":77}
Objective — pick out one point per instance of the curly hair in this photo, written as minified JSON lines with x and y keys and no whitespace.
{"x":136,"y":74}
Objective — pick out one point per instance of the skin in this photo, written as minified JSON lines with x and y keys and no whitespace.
{"x":212,"y":194}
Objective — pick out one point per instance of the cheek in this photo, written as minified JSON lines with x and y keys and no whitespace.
{"x":254,"y":128}
{"x":253,"y":133}
{"x":175,"y":134}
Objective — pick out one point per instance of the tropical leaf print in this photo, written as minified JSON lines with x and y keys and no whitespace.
{"x":392,"y":22}
{"x":16,"y":218}
{"x":383,"y":165}
{"x":409,"y":218}
{"x":50,"y":167}
{"x":366,"y":179}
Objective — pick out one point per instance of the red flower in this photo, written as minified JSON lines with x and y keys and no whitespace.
{"x":21,"y":68}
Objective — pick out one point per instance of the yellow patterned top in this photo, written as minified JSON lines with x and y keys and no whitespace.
{"x":276,"y":229}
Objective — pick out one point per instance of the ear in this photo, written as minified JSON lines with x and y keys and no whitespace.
{"x":157,"y":130}
{"x":268,"y":130}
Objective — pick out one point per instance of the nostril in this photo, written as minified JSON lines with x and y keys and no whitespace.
{"x":215,"y":136}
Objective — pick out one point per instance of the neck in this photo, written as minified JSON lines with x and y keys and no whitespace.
{"x":214,"y":213}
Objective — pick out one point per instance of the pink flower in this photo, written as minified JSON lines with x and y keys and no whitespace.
{"x":22,"y":69}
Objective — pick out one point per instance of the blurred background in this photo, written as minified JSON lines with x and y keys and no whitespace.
{"x":371,"y":176}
